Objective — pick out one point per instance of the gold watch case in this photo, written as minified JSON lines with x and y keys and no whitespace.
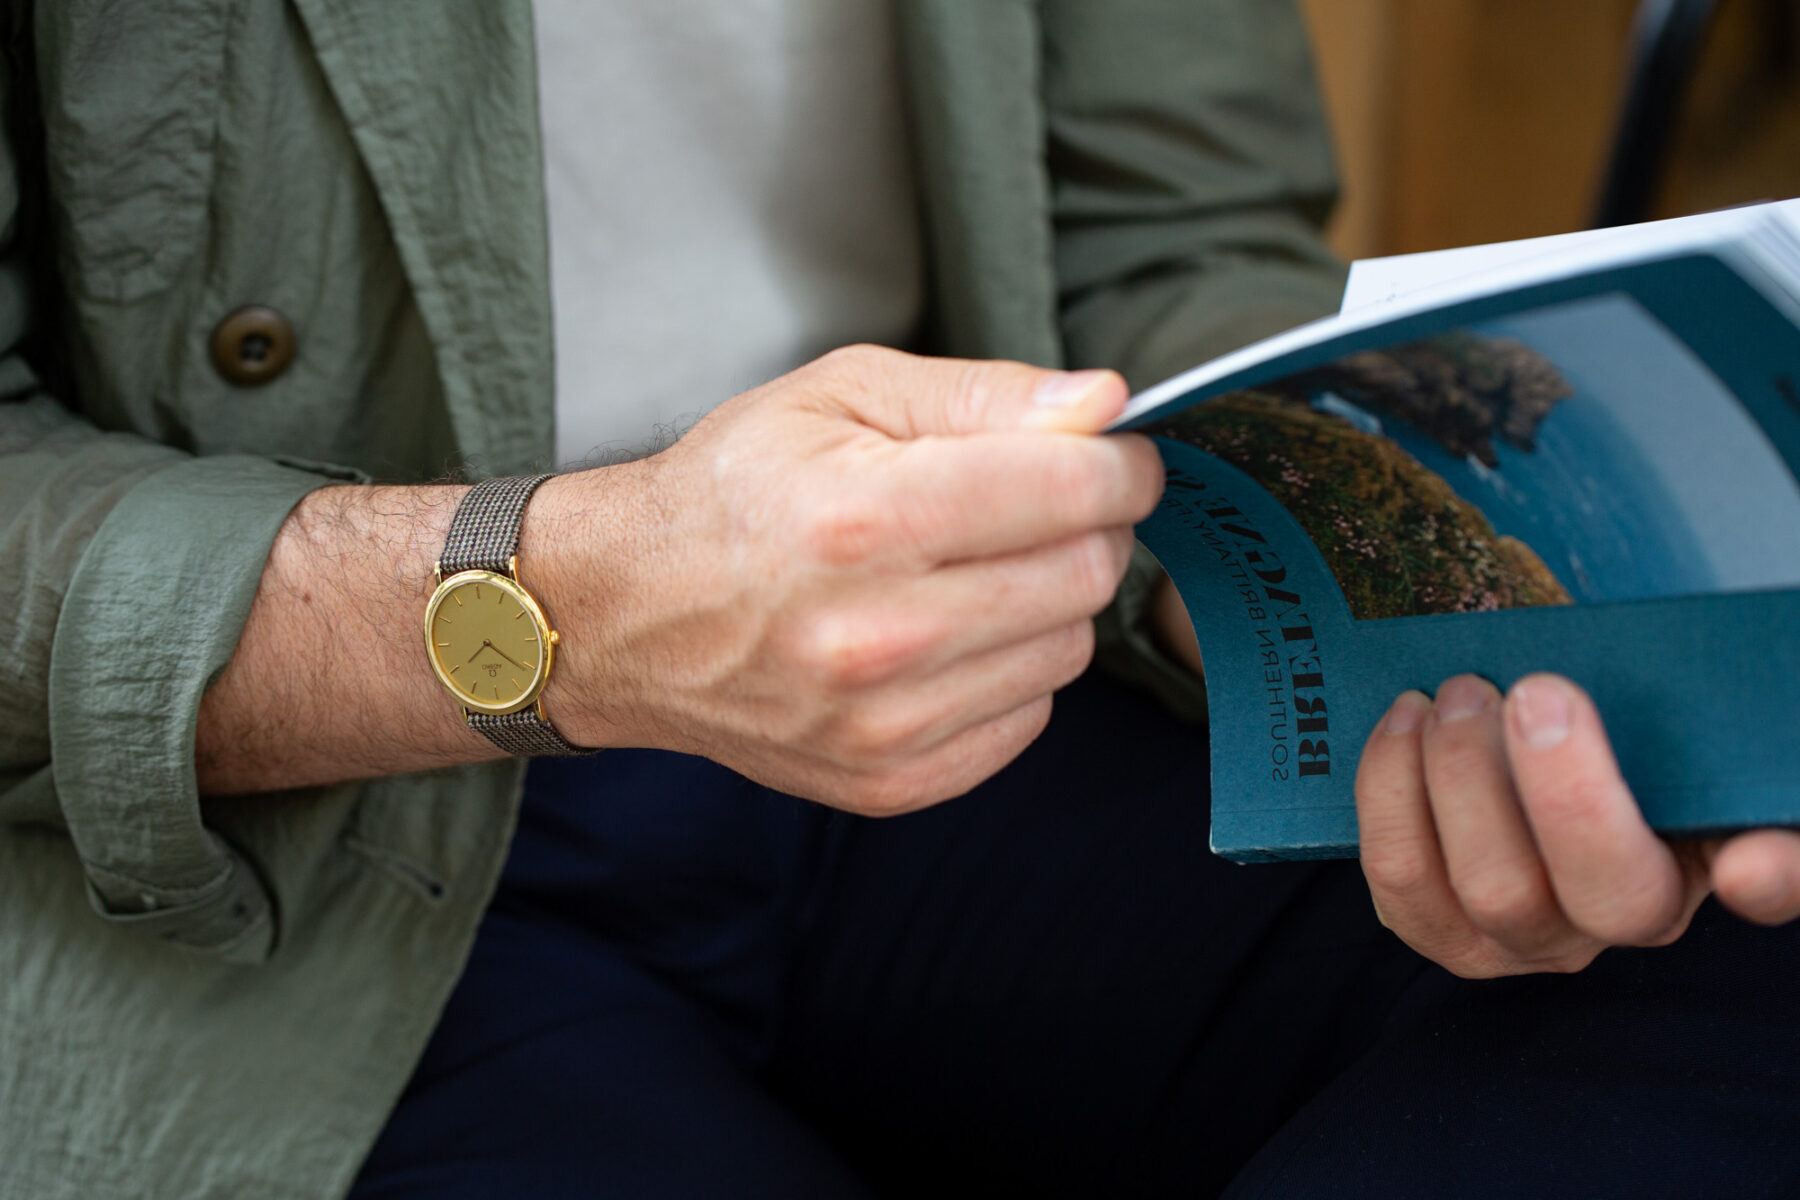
{"x":488,"y":641}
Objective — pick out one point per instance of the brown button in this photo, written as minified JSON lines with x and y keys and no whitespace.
{"x":252,"y":346}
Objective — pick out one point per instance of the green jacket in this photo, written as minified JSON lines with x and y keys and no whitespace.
{"x":224,"y":997}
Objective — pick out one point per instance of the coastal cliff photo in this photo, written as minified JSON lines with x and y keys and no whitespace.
{"x":1496,"y":467}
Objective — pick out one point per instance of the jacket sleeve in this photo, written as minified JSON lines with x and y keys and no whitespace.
{"x":1191,"y":172}
{"x":128,"y":572}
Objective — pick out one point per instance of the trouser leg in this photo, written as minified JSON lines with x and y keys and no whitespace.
{"x":606,"y":1036}
{"x":1051,"y":987}
{"x":1672,"y":1072}
{"x":1046,"y":987}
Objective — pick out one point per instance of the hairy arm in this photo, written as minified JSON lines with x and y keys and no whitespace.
{"x":321,"y":687}
{"x":860,"y":583}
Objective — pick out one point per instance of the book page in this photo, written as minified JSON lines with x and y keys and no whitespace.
{"x":1377,"y":281}
{"x":1741,"y":235}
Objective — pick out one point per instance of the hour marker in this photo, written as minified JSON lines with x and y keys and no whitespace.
{"x":496,"y":691}
{"x":518,"y":685}
{"x":456,"y":598}
{"x":518,"y":614}
{"x":502,"y":600}
{"x":442,"y":643}
{"x":530,"y":637}
{"x":471,"y":689}
{"x":456,"y":668}
{"x":478,"y":591}
{"x":445,"y":620}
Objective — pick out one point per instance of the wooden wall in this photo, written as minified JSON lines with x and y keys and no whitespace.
{"x":1462,"y":121}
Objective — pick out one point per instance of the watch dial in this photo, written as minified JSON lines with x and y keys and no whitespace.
{"x":486,"y":643}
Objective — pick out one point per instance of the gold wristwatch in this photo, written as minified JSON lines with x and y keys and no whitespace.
{"x":487,"y":638}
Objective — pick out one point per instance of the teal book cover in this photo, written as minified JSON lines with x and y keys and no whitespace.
{"x":1594,"y":475}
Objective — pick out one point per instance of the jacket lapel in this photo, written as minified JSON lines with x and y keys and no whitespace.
{"x":441,"y":98}
{"x":972,"y":70}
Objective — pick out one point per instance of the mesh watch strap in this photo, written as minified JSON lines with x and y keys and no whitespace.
{"x":484,"y":536}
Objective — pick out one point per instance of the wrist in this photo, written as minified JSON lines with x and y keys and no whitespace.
{"x":582,"y":548}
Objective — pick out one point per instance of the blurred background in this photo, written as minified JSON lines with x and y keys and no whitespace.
{"x":1462,"y":121}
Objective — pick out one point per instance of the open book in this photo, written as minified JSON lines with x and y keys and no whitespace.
{"x":1576,"y":454}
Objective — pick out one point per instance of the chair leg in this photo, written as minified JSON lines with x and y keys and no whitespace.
{"x":1666,"y":38}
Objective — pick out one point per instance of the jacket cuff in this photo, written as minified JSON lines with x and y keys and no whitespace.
{"x":1125,"y":648}
{"x":152,"y":614}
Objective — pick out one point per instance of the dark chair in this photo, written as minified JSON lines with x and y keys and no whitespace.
{"x":1666,"y":38}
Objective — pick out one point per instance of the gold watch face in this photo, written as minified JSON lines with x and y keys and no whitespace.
{"x":488,"y":641}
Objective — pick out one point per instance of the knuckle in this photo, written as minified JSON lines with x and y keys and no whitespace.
{"x":1074,"y":650}
{"x":1467,"y":956}
{"x":1147,"y":475}
{"x":983,"y":751}
{"x":978,"y":389}
{"x":845,"y":531}
{"x":1506,"y":901}
{"x":1032,"y":721}
{"x":1634,"y":918}
{"x":1078,"y":480}
{"x":876,"y":735}
{"x":1378,"y":794}
{"x":858,"y":360}
{"x":1397,"y":870}
{"x":1570,"y":961}
{"x":1121,"y":545}
{"x":883,"y":794}
{"x":1095,"y":571}
{"x":1457,"y":754}
{"x":1478,"y":968}
{"x":1575,"y":801}
{"x":920,"y":520}
{"x":851,"y":653}
{"x":967,"y":396}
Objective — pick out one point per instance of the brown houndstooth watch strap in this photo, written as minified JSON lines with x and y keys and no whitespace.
{"x":484,"y":533}
{"x":484,"y":536}
{"x":524,"y":734}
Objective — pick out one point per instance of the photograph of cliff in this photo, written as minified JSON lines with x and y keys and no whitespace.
{"x":1463,"y":389}
{"x":1398,"y":538}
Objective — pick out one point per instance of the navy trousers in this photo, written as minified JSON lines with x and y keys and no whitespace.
{"x":690,"y":986}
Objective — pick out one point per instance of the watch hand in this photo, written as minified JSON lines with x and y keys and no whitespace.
{"x":484,"y":645}
{"x":509,"y":658}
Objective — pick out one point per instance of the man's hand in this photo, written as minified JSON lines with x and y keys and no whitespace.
{"x":1498,"y":837}
{"x":860,"y":583}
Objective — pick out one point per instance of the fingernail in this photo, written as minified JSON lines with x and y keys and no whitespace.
{"x":1067,"y":389}
{"x":1408,"y":711}
{"x":1463,"y":697}
{"x":1542,"y":711}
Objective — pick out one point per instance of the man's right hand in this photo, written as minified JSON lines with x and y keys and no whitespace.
{"x":859,"y":583}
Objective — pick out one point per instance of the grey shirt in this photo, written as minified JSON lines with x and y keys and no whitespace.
{"x":730,"y":195}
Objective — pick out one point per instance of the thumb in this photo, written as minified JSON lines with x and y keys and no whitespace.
{"x":1076,"y":402}
{"x":908,"y":396}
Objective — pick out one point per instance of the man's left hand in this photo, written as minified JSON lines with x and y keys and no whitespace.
{"x":1498,"y":837}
